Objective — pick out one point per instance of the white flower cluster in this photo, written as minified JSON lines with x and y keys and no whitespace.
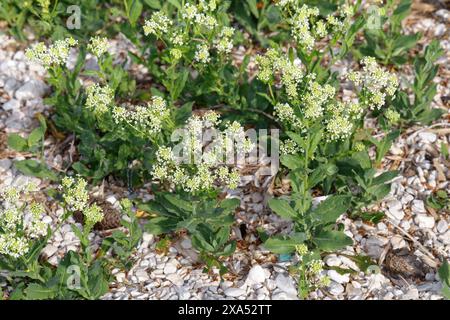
{"x":289,"y":146}
{"x":98,"y":46}
{"x":75,"y":194}
{"x":204,"y":149}
{"x":339,"y":127}
{"x":301,"y":26}
{"x":375,"y":83}
{"x":306,"y":26}
{"x":194,"y":21}
{"x":272,"y":65}
{"x":76,"y":198}
{"x":340,"y":119}
{"x":318,"y":103}
{"x":99,"y":99}
{"x":55,"y":55}
{"x":157,"y":25}
{"x":392,"y":116}
{"x":286,"y":115}
{"x":145,"y":120}
{"x":202,"y":54}
{"x":315,"y":99}
{"x":198,"y":16}
{"x":45,"y":5}
{"x":224,"y":43}
{"x":20,"y":223}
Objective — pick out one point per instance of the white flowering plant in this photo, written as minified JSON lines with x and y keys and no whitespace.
{"x":193,"y":54}
{"x":23,"y":231}
{"x":170,"y":115}
{"x":321,"y":129}
{"x":122,"y":243}
{"x":40,"y":14}
{"x":112,"y":134}
{"x":190,"y":181}
{"x":202,"y":157}
{"x":309,"y":271}
{"x":59,"y":18}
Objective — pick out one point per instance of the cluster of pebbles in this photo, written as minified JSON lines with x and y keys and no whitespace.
{"x":406,"y":247}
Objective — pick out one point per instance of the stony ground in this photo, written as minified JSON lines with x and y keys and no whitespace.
{"x":411,"y":232}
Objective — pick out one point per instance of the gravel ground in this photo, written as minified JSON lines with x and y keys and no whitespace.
{"x":410,"y":233}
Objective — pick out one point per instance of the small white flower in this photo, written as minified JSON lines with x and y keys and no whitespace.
{"x":99,"y":99}
{"x":338,"y":127}
{"x":189,"y":12}
{"x":55,"y":55}
{"x":157,"y":25}
{"x":202,"y":54}
{"x":98,"y":46}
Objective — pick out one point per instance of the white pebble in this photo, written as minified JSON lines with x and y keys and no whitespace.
{"x":424,"y":221}
{"x":337,"y":277}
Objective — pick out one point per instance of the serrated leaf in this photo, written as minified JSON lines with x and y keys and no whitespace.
{"x":35,"y":136}
{"x":331,"y":240}
{"x":282,"y":208}
{"x":36,"y":291}
{"x":135,"y":11}
{"x":290,"y":161}
{"x":17,"y":143}
{"x":35,"y":169}
{"x":284,"y":244}
{"x":160,"y":225}
{"x":329,"y":210}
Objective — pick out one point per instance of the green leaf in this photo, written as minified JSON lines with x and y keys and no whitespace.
{"x":373,"y":217}
{"x":444,"y":276}
{"x":401,"y":11}
{"x":329,"y":210}
{"x":385,"y":177}
{"x":154,"y":4}
{"x":331,"y":240}
{"x":98,"y":282}
{"x":252,"y":6}
{"x":430,"y":115}
{"x":284,"y":244}
{"x":35,"y":136}
{"x":35,"y":169}
{"x":405,"y":43}
{"x":363,"y":159}
{"x":17,"y":143}
{"x":379,"y":191}
{"x":283,"y":208}
{"x":36,"y":291}
{"x":320,"y":173}
{"x":179,"y":84}
{"x":160,"y":225}
{"x":229,"y":204}
{"x":290,"y":161}
{"x":183,"y":113}
{"x":444,"y":272}
{"x":175,"y":3}
{"x":135,"y":11}
{"x":178,"y":202}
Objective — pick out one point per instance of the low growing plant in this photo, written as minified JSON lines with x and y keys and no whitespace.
{"x":383,"y":36}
